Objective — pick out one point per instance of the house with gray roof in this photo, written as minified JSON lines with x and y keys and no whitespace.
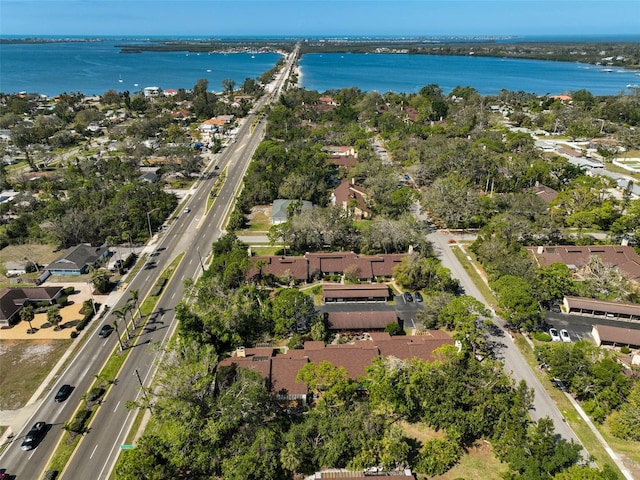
{"x":279,"y":209}
{"x":76,"y":260}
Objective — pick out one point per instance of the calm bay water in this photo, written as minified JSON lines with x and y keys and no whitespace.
{"x":95,"y":67}
{"x":488,"y":75}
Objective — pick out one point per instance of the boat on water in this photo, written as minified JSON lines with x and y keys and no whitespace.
{"x":607,"y":70}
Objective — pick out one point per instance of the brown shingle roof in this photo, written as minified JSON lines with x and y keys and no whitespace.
{"x":617,"y":335}
{"x":281,"y":370}
{"x":348,"y":191}
{"x":281,"y":266}
{"x":624,"y":258}
{"x":591,"y":304}
{"x":361,"y":320}
{"x":320,"y":263}
{"x":369,"y":290}
{"x":284,"y":371}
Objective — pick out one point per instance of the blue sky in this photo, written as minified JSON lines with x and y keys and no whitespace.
{"x":313,"y":17}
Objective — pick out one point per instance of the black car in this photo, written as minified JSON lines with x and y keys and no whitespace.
{"x":63,"y":393}
{"x":408,"y":297}
{"x":105,"y":331}
{"x":417,"y":297}
{"x":32,"y":438}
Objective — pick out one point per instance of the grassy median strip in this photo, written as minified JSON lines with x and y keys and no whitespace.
{"x":106,"y":377}
{"x":74,"y":432}
{"x":217,"y":186}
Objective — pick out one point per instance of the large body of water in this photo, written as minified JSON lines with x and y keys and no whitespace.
{"x":488,"y":75}
{"x":95,"y":67}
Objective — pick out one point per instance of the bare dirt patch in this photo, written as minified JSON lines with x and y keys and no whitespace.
{"x":478,"y":462}
{"x":25,"y":365}
{"x":260,"y":218}
{"x":40,"y":254}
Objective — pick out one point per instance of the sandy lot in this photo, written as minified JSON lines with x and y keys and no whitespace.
{"x":70,"y":315}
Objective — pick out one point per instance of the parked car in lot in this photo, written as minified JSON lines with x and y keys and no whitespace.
{"x":408,"y":297}
{"x":417,"y":297}
{"x":63,"y":393}
{"x":34,"y":436}
{"x":564,"y":335}
{"x":105,"y":331}
{"x":554,"y":335}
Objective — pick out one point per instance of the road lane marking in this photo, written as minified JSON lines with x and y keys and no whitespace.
{"x":116,"y":407}
{"x":94,"y":451}
{"x":86,"y":370}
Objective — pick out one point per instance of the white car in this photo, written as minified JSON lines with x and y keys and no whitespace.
{"x":554,"y":335}
{"x":564,"y":335}
{"x":187,"y":210}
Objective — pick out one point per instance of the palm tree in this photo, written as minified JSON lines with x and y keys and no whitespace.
{"x":27,"y":315}
{"x":115,"y":327}
{"x":54,"y":317}
{"x":121,"y":313}
{"x":135,"y":294}
{"x":128,"y":308}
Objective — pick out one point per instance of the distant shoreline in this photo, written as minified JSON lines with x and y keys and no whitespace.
{"x":620,"y":54}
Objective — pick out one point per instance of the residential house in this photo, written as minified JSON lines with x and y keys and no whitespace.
{"x":326,"y":104}
{"x":280,"y":370}
{"x":77,"y":260}
{"x":351,"y":198}
{"x":623,"y":257}
{"x":366,"y":268}
{"x":340,"y":150}
{"x":279,"y":210}
{"x":12,"y":300}
{"x":544,"y":193}
{"x":151,"y":92}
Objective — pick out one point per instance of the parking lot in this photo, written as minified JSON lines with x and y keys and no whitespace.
{"x":405,"y":310}
{"x":579,"y":326}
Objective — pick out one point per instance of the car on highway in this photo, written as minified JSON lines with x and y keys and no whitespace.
{"x":105,"y":331}
{"x":418,"y":297}
{"x":407,"y":297}
{"x":4,"y":476}
{"x":564,"y":335}
{"x":34,"y":435}
{"x":63,"y":393}
{"x":555,"y":337}
{"x":187,"y":210}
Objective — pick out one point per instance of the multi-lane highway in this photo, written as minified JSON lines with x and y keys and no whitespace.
{"x":191,"y":234}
